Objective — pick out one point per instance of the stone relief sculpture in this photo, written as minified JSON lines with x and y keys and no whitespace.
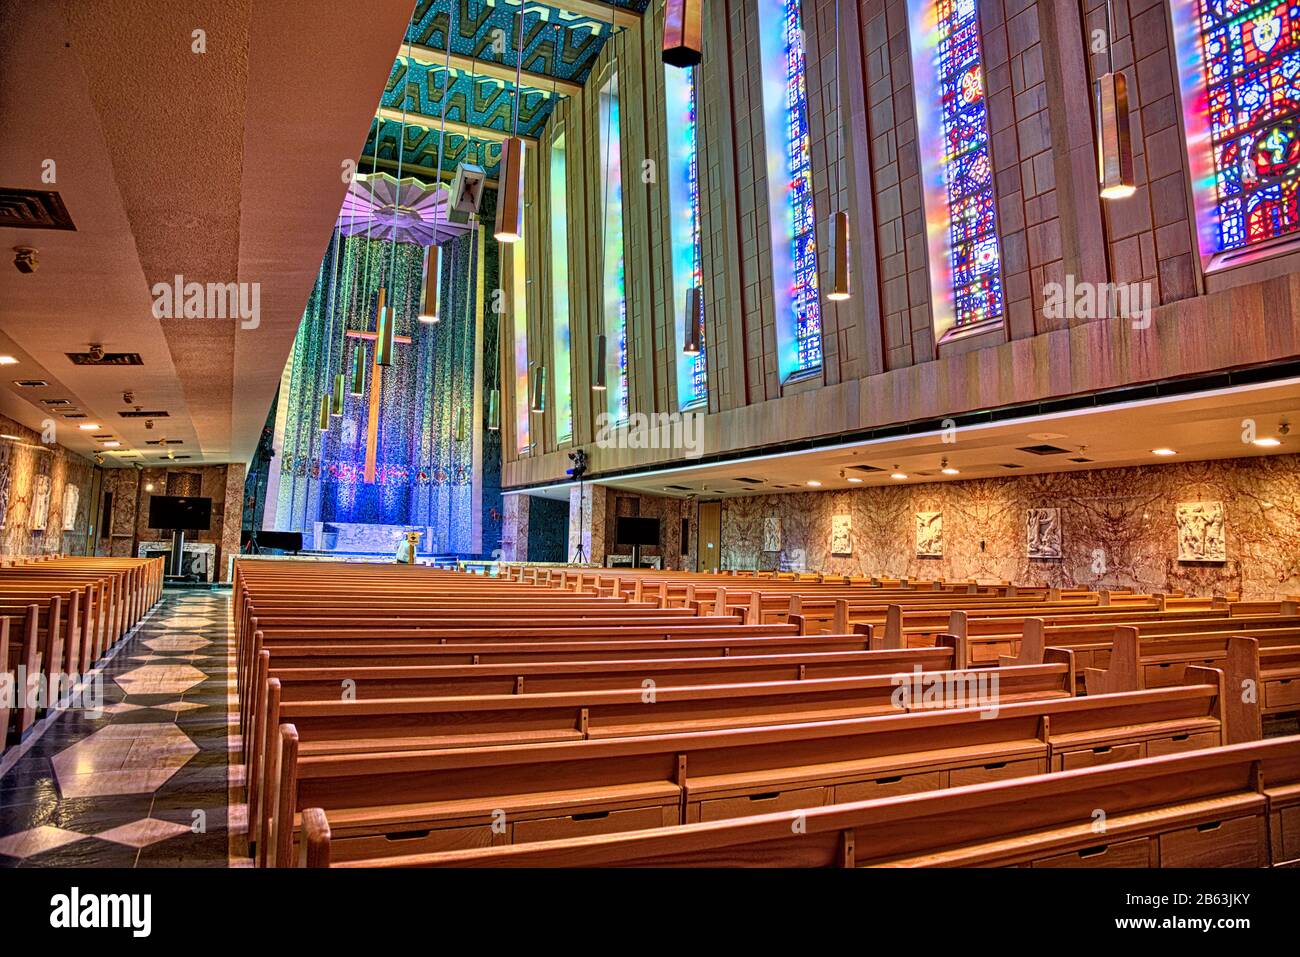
{"x":1043,"y":532}
{"x":40,"y":502}
{"x":1201,"y":532}
{"x":841,"y":535}
{"x":929,"y":534}
{"x":71,"y":499}
{"x":771,"y":533}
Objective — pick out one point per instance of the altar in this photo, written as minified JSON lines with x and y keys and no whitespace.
{"x":359,"y":538}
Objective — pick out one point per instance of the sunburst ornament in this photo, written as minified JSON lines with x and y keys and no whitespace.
{"x":405,"y":210}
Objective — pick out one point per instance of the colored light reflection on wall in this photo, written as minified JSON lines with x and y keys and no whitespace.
{"x":957,"y":171}
{"x":519,"y":322}
{"x":614,"y":277}
{"x":789,"y":183}
{"x":684,"y":223}
{"x":1239,"y":71}
{"x":562,"y":375}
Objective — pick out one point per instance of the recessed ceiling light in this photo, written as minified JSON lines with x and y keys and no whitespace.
{"x":1268,"y":442}
{"x":89,"y":426}
{"x":1163,"y":452}
{"x":814,"y":483}
{"x":8,"y":361}
{"x":12,"y":438}
{"x":949,"y":470}
{"x":112,"y":444}
{"x":899,"y":475}
{"x":854,"y":478}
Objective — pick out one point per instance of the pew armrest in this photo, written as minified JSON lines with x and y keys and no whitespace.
{"x":314,"y":850}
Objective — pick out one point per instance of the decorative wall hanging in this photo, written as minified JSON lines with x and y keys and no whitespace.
{"x":1201,"y":532}
{"x":841,"y":535}
{"x":71,"y":499}
{"x":929,"y":534}
{"x":771,"y":533}
{"x":40,"y":502}
{"x":1043,"y":532}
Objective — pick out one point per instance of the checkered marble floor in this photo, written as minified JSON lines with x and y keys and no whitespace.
{"x":147,"y":783}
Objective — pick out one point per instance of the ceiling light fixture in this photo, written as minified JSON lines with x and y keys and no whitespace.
{"x":947,"y":469}
{"x":89,"y":427}
{"x":898,"y":475}
{"x":1268,"y":442}
{"x":8,"y":361}
{"x":1163,"y":452}
{"x":1114,"y":142}
{"x":814,"y":483}
{"x":112,"y":444}
{"x":840,"y":221}
{"x":12,"y":438}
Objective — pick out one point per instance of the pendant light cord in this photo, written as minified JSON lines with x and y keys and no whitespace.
{"x":397,"y":193}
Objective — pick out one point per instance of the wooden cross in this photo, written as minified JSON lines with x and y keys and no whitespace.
{"x":376,"y":381}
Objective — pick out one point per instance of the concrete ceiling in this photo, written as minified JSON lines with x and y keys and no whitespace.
{"x":1197,"y":427}
{"x":173,"y":162}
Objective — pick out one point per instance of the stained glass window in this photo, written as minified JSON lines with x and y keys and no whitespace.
{"x":790,"y":191}
{"x":684,"y":225}
{"x":953,"y":134}
{"x":1240,"y":75}
{"x":560,"y":290}
{"x":614,"y":279}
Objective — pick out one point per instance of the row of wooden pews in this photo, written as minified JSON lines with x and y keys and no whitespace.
{"x":401,"y":713}
{"x":60,"y":615}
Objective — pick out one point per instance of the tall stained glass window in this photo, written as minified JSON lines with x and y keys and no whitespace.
{"x":611,"y":156}
{"x":957,"y":170}
{"x":560,"y":291}
{"x":1239,"y":70}
{"x":684,"y":225}
{"x":789,"y":185}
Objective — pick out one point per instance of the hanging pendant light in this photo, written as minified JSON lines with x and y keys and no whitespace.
{"x":510,"y":194}
{"x":840,"y":223}
{"x":494,"y":410}
{"x":537,"y":402}
{"x":358,"y":370}
{"x":384,"y":332}
{"x":340,"y":386}
{"x":1114,"y":142}
{"x":460,"y":425}
{"x":324,"y":413}
{"x":683,"y":29}
{"x":840,"y":278}
{"x":598,"y":365}
{"x":691,"y":321}
{"x":432,"y":273}
{"x":510,"y":197}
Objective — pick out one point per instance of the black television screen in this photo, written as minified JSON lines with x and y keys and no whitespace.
{"x":636,"y":531}
{"x":183,"y":512}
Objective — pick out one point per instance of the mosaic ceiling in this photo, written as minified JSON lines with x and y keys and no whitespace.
{"x":558,"y":44}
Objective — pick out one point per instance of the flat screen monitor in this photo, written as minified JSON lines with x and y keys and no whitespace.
{"x":184,"y":512}
{"x":636,"y":531}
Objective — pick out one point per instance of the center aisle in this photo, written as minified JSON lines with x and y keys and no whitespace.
{"x":148,"y":783}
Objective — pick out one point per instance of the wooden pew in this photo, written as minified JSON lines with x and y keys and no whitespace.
{"x":392,"y":806}
{"x":1221,"y":807}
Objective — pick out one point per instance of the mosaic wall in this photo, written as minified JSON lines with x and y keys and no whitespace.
{"x":425,"y":468}
{"x":27,"y":466}
{"x":1118,"y":527}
